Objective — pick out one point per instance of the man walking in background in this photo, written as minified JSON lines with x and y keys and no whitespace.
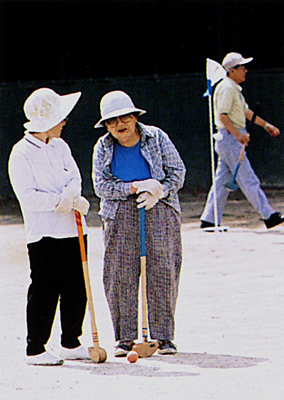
{"x":231,"y":112}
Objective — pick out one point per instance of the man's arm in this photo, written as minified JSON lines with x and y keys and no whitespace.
{"x":244,"y":139}
{"x":271,"y":129}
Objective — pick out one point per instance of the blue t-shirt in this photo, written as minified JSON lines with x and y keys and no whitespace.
{"x":128,"y":164}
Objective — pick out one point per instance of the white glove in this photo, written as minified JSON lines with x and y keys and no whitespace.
{"x":66,"y":200}
{"x":149,"y":185}
{"x":147,"y":200}
{"x":81,"y":204}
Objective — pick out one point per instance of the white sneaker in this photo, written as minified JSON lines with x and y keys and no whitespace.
{"x":78,"y":353}
{"x":44,"y":359}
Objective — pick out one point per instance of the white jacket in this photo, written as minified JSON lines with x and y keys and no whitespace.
{"x":38,"y":174}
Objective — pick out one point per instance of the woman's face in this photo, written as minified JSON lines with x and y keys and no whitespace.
{"x":124,"y":129}
{"x":55,"y":132}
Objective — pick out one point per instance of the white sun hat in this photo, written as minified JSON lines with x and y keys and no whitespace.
{"x":45,"y":109}
{"x":115,"y":104}
{"x":233,"y":59}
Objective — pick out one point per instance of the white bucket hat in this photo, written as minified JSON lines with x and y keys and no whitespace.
{"x":115,"y":104}
{"x":45,"y":109}
{"x":233,"y":59}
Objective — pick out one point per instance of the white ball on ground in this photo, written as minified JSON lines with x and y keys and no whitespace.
{"x":132,"y":356}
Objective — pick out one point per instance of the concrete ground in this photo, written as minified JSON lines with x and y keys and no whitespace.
{"x":229,"y":320}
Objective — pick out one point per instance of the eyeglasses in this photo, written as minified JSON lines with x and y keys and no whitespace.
{"x":112,"y":122}
{"x":240,"y":67}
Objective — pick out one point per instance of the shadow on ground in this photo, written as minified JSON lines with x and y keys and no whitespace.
{"x":114,"y":368}
{"x":202,"y":360}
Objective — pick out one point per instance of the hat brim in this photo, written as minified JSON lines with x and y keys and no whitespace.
{"x":118,"y":113}
{"x":67,"y":103}
{"x":246,"y":60}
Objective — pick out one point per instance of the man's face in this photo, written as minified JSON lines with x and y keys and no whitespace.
{"x":238,"y":74}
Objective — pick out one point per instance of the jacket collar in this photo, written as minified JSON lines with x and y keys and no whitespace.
{"x":36,"y":142}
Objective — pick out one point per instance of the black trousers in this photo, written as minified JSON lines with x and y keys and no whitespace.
{"x":56,"y":273}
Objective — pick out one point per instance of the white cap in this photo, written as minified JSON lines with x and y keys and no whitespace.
{"x":115,"y":104}
{"x":233,"y":59}
{"x":45,"y":109}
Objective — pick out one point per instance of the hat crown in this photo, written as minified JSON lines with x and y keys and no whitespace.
{"x":114,"y":102}
{"x":232,"y":58}
{"x":42,"y":108}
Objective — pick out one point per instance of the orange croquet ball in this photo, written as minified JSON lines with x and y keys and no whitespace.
{"x":132,"y":356}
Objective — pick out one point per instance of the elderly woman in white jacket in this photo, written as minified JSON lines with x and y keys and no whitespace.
{"x":47,"y":183}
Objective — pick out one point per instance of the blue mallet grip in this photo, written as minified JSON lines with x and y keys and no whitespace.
{"x":142,"y":232}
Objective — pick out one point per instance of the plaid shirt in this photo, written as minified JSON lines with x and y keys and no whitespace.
{"x":165,"y":163}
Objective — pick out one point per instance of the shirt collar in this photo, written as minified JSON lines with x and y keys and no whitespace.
{"x":236,"y":86}
{"x":144,"y":132}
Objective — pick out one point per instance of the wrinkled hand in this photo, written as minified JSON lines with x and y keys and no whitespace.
{"x":149,"y":185}
{"x":272,"y":130}
{"x":81,"y":204}
{"x":66,"y":200}
{"x":147,"y":200}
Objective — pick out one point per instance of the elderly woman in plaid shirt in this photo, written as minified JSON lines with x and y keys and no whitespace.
{"x":135,"y":166}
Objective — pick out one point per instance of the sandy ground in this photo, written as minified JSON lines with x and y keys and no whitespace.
{"x":229,"y":319}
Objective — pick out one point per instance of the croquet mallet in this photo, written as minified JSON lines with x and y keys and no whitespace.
{"x":147,"y":348}
{"x":232,"y":185}
{"x":97,"y":354}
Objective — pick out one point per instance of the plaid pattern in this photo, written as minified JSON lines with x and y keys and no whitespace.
{"x":122,"y":268}
{"x":165,"y":165}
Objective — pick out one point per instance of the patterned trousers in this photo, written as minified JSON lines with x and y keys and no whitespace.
{"x":122,"y":269}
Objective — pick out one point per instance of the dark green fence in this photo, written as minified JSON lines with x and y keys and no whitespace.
{"x":175,"y":103}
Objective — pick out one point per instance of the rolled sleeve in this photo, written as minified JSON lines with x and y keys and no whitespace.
{"x":173,"y":167}
{"x":225,"y":100}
